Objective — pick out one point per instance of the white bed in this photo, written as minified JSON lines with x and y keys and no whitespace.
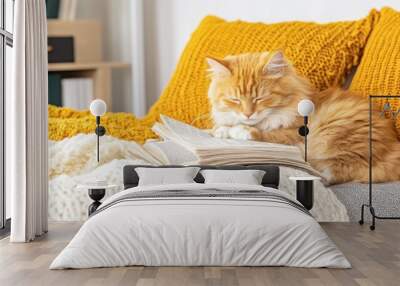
{"x":182,"y":231}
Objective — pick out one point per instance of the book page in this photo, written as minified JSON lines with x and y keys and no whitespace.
{"x":151,"y":147}
{"x":182,"y":133}
{"x":170,"y":153}
{"x":136,"y":151}
{"x":196,"y":138}
{"x":215,"y":151}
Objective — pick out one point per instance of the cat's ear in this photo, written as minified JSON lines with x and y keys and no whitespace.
{"x":218,"y":67}
{"x":276,"y":65}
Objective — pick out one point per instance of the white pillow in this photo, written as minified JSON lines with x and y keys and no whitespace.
{"x":248,"y":177}
{"x":166,"y":176}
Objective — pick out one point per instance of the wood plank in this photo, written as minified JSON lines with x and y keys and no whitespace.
{"x":60,"y":67}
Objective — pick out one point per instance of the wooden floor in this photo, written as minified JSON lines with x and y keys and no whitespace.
{"x":375,"y":257}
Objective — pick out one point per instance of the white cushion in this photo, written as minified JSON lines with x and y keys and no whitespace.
{"x":166,"y":176}
{"x":247,"y":177}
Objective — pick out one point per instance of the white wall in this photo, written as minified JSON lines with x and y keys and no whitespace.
{"x":115,"y":18}
{"x":168,"y":24}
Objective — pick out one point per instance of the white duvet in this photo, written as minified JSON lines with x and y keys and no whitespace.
{"x":193,"y":231}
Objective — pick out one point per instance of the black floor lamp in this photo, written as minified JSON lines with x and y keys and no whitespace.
{"x":98,"y":107}
{"x":305,"y":184}
{"x":97,"y":190}
{"x":305,"y":108}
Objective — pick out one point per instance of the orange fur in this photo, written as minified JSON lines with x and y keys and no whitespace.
{"x":255,"y":97}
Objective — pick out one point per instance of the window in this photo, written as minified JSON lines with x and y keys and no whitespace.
{"x":6,"y":43}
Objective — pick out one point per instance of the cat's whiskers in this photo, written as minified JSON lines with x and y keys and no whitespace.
{"x":250,"y":120}
{"x":255,"y":118}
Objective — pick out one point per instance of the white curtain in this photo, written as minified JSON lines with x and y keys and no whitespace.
{"x":26,"y":123}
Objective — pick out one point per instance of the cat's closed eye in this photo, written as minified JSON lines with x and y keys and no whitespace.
{"x":234,"y":100}
{"x":259,"y":99}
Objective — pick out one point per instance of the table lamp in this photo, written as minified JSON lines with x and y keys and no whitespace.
{"x":98,"y":107}
{"x":305,"y":108}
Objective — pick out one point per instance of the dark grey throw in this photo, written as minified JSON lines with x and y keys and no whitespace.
{"x":204,"y":194}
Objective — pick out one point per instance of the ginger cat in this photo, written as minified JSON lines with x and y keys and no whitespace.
{"x":255,"y":97}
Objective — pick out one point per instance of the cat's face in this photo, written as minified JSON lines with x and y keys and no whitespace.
{"x":251,"y":87}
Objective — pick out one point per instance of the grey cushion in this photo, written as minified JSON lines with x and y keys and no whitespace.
{"x":270,"y":179}
{"x":163,"y":176}
{"x":248,"y":177}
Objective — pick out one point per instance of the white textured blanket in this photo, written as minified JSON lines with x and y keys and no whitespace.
{"x":73,"y":162}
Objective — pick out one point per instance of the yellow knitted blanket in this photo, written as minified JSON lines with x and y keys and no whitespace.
{"x":324,"y":53}
{"x":379,"y":70}
{"x":66,"y":122}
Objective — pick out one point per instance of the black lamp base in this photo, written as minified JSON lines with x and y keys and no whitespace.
{"x":305,"y":193}
{"x":96,"y":195}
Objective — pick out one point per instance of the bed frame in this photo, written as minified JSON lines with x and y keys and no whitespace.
{"x":271,"y":178}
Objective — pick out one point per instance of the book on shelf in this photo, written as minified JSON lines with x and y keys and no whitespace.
{"x":54,"y":89}
{"x":52,"y":9}
{"x":68,"y":9}
{"x":77,"y":93}
{"x":184,"y":144}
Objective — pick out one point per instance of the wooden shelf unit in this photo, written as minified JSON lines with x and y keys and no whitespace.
{"x":88,"y":56}
{"x":100,"y":73}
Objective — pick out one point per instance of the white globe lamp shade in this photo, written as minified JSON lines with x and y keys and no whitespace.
{"x":98,"y":107}
{"x":305,"y":107}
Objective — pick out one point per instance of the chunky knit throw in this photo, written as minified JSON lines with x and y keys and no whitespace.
{"x":379,"y":70}
{"x":324,"y":53}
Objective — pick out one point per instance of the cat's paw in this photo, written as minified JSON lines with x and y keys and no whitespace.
{"x":327,"y":175}
{"x":221,"y":132}
{"x":241,"y":132}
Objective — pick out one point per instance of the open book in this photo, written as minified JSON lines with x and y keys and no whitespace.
{"x":184,"y":144}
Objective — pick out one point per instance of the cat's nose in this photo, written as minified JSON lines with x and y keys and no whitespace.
{"x":247,"y":115}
